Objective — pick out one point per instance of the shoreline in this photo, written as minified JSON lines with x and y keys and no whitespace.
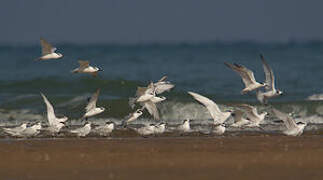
{"x":245,"y":157}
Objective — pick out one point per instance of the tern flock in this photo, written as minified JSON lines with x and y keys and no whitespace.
{"x":146,"y":98}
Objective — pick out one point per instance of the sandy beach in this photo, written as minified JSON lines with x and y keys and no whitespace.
{"x":248,"y":157}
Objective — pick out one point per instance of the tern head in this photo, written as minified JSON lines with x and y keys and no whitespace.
{"x":87,"y":123}
{"x":109,"y":122}
{"x":98,"y":69}
{"x":223,"y":125}
{"x":139,"y":111}
{"x":279,"y":92}
{"x":102,"y":108}
{"x":162,"y":124}
{"x":302,"y":123}
{"x":265,"y":84}
{"x":59,"y":54}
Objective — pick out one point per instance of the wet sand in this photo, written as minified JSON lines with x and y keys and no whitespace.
{"x":248,"y":157}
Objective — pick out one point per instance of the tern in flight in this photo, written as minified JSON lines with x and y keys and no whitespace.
{"x":48,"y":51}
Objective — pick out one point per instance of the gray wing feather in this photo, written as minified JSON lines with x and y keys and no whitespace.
{"x":269,"y":74}
{"x":93,"y":100}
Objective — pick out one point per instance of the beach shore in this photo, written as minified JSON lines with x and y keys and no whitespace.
{"x":247,"y":157}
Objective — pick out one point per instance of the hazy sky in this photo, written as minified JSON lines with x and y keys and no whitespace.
{"x":136,"y":21}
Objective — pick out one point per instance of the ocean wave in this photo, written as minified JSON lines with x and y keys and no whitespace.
{"x":315,"y":97}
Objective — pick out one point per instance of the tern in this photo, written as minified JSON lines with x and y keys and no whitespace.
{"x":271,"y":91}
{"x":247,"y":77}
{"x":253,"y":116}
{"x":91,"y":109}
{"x":185,"y":126}
{"x":160,"y":128}
{"x":86,"y":68}
{"x":55,"y":128}
{"x":30,"y":131}
{"x":219,"y":129}
{"x":106,"y":129}
{"x":293,"y":128}
{"x":48,"y":51}
{"x":52,"y":119}
{"x":16,"y":130}
{"x":146,"y":97}
{"x":162,"y":85}
{"x":239,"y":121}
{"x":133,"y":116}
{"x":146,"y":130}
{"x":82,"y":131}
{"x":218,"y":116}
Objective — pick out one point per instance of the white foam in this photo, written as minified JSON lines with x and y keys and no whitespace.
{"x":315,"y":97}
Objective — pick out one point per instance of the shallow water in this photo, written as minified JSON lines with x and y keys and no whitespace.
{"x":191,"y":67}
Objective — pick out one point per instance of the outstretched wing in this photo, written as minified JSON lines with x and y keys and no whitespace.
{"x":50,"y":110}
{"x":46,"y":47}
{"x":163,"y":79}
{"x":93,"y":100}
{"x":238,"y":115}
{"x":83,"y":64}
{"x":250,"y":110}
{"x":246,"y":75}
{"x":208,"y":103}
{"x":152,"y":109}
{"x":140,"y":91}
{"x":289,"y":122}
{"x":269,"y":74}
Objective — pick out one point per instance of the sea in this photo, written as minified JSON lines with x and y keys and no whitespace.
{"x":197,"y":67}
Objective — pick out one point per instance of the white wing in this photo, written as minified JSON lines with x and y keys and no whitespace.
{"x":161,"y":87}
{"x":46,"y":47}
{"x":209,"y":104}
{"x":152,"y":109}
{"x":83,"y":64}
{"x":246,"y":75}
{"x":92,"y":103}
{"x":289,"y":122}
{"x":251,"y":111}
{"x":238,"y":115}
{"x":269,"y":74}
{"x":50,"y":110}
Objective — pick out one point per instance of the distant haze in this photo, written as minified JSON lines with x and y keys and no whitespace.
{"x":142,"y":21}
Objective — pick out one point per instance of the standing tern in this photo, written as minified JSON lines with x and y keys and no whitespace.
{"x":106,"y":129}
{"x":82,"y":131}
{"x":160,"y":128}
{"x":146,"y":130}
{"x":30,"y":131}
{"x":48,"y":51}
{"x":219,"y":129}
{"x":16,"y":130}
{"x":185,"y":126}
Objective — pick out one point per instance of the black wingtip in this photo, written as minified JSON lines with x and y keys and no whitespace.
{"x":237,"y":65}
